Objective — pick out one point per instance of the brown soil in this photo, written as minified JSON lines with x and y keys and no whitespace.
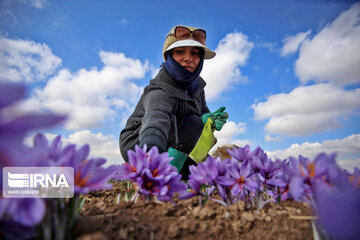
{"x":103,"y":218}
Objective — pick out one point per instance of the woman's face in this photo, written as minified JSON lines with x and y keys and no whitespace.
{"x":188,"y":57}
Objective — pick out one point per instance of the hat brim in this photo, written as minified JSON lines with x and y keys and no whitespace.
{"x":208,"y":54}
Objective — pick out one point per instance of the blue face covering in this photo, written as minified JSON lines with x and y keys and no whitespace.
{"x":188,"y":80}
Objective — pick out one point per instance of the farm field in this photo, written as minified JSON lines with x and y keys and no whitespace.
{"x":103,"y":218}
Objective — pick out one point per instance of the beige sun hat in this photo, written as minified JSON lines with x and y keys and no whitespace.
{"x":171,"y":42}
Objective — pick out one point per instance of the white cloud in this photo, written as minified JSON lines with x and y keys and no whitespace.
{"x":92,"y":96}
{"x":26,"y":61}
{"x":307,"y":109}
{"x":333,"y":54}
{"x":269,"y":138}
{"x":228,"y":134}
{"x":222,"y":72}
{"x":349,"y":164}
{"x":105,"y":146}
{"x":39,"y":4}
{"x":348,"y":150}
{"x":292,"y":43}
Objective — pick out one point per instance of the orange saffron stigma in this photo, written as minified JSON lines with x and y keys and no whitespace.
{"x":192,"y":191}
{"x":241,"y":180}
{"x":80,"y":181}
{"x":155,"y":173}
{"x":311,"y":170}
{"x":356,"y":180}
{"x":131,"y":168}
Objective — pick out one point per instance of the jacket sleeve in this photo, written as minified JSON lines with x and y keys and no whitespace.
{"x":205,"y":108}
{"x":156,"y":123}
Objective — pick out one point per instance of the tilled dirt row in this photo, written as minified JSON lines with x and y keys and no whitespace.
{"x":103,"y":218}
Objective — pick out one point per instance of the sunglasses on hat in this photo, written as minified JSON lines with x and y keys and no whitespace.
{"x":181,"y":33}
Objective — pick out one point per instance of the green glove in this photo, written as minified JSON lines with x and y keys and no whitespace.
{"x":204,"y":144}
{"x":200,"y":151}
{"x":218,"y":117}
{"x":178,"y":158}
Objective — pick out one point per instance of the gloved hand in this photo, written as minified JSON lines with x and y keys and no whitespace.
{"x":199,"y":153}
{"x":178,"y":158}
{"x":206,"y":141}
{"x":218,"y":117}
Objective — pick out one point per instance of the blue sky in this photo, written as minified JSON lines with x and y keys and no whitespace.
{"x":287,"y":71}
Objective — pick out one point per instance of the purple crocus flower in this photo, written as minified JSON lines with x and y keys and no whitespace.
{"x":197,"y":189}
{"x":148,"y":185}
{"x":13,"y":129}
{"x":21,"y":215}
{"x":159,"y":164}
{"x":241,"y":154}
{"x":152,"y":172}
{"x":10,"y":93}
{"x":194,"y":190}
{"x":355,"y":177}
{"x":338,"y":208}
{"x":303,"y":172}
{"x":204,"y":177}
{"x":172,"y":185}
{"x":239,"y":178}
{"x":162,"y":172}
{"x":206,"y":172}
{"x":264,"y":165}
{"x":223,"y":190}
{"x":279,"y":183}
{"x":25,"y":211}
{"x":133,"y":169}
{"x":89,"y":174}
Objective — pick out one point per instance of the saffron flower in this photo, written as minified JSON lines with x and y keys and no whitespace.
{"x":303,"y":172}
{"x":203,"y":178}
{"x":206,"y":172}
{"x":194,"y":190}
{"x":24,"y":211}
{"x":152,"y":172}
{"x":172,"y":185}
{"x":18,"y":217}
{"x":89,"y":174}
{"x":20,"y":213}
{"x":148,"y":185}
{"x":264,"y":165}
{"x":240,"y":178}
{"x":25,"y":214}
{"x":137,"y":163}
{"x":355,"y":177}
{"x":279,"y":183}
{"x":14,"y":127}
{"x":337,"y":206}
{"x":159,"y":164}
{"x":241,"y":154}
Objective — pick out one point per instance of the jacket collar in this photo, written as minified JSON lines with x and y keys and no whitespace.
{"x":172,"y":88}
